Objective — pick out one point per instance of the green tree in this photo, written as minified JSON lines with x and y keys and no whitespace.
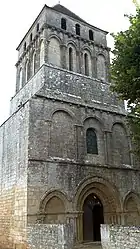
{"x":137,"y":3}
{"x":125,"y":71}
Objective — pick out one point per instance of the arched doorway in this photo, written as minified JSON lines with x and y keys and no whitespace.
{"x":108,"y":197}
{"x":93,"y":217}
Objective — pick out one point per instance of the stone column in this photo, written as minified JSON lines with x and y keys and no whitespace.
{"x":132,"y":156}
{"x":46,"y":43}
{"x":94,"y":66}
{"x":78,"y":61}
{"x":80,"y":145}
{"x":81,"y":63}
{"x":49,"y":136}
{"x":108,"y":147}
{"x":17,"y":77}
{"x":107,"y":74}
{"x":37,"y":53}
{"x":24,"y":72}
{"x":71,"y":224}
{"x":116,"y":218}
{"x":79,"y":227}
{"x":63,"y":50}
{"x":107,"y":64}
{"x":122,"y":219}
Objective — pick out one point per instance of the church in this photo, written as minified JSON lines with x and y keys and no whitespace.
{"x":66,"y":162}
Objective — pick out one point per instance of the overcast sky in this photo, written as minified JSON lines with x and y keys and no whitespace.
{"x":16,"y":16}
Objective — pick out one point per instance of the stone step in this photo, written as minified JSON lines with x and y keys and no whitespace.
{"x":92,"y":245}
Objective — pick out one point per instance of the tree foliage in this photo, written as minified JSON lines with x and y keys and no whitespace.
{"x":137,"y":3}
{"x":125,"y":71}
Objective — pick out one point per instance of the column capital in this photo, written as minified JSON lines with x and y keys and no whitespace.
{"x":63,"y":46}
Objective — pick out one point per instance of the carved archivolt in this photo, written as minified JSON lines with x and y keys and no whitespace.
{"x":51,"y":194}
{"x":103,"y":189}
{"x":106,"y":193}
{"x":131,"y":207}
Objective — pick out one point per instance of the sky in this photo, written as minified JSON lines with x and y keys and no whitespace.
{"x":16,"y":17}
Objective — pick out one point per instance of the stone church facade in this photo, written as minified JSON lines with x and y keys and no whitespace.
{"x":65,"y":151}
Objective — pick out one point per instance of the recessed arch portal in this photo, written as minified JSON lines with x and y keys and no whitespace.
{"x":109,"y":200}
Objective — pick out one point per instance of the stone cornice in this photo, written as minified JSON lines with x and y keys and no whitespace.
{"x":82,"y":105}
{"x":69,"y":34}
{"x":83,"y":163}
{"x":59,"y":30}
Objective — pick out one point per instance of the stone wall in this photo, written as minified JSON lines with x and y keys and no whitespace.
{"x":120,"y":237}
{"x":54,"y":123}
{"x":46,"y":236}
{"x":56,"y":83}
{"x":79,"y":89}
{"x":13,"y":178}
{"x":46,"y":171}
{"x":56,"y":43}
{"x":52,"y":18}
{"x":24,"y":94}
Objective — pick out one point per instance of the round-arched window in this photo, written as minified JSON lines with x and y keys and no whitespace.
{"x":91,"y":141}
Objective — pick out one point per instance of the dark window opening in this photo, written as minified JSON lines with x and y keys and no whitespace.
{"x":63,"y":24}
{"x":77,"y":26}
{"x":37,"y":27}
{"x":91,"y":35}
{"x":24,"y":46}
{"x":86,"y":64}
{"x":70,"y":59}
{"x":93,"y":217}
{"x":31,"y":37}
{"x":91,"y":141}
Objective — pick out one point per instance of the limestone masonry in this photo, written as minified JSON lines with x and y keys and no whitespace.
{"x":65,"y":151}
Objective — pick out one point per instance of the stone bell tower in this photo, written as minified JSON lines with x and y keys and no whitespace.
{"x":66,"y":165}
